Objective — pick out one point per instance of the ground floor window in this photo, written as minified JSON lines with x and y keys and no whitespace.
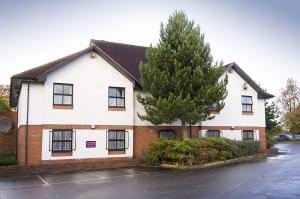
{"x":248,"y":135}
{"x":169,"y":134}
{"x":62,"y":140}
{"x":213,"y":133}
{"x":116,"y":140}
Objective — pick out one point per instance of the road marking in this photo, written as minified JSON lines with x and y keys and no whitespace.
{"x":86,"y":180}
{"x":42,"y":179}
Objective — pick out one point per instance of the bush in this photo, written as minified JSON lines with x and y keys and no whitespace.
{"x":197,"y":151}
{"x":8,"y":160}
{"x":246,"y":148}
{"x":270,"y":141}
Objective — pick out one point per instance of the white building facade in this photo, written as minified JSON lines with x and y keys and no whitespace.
{"x":84,"y":106}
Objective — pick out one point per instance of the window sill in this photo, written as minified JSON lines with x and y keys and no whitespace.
{"x":62,"y":106}
{"x":247,"y":113}
{"x":116,"y":109}
{"x":215,"y":112}
{"x":116,"y":152}
{"x":60,"y":154}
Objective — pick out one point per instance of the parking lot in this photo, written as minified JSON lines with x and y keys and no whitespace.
{"x":272,"y":177}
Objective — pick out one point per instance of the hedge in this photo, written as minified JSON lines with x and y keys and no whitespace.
{"x":8,"y":160}
{"x":197,"y":151}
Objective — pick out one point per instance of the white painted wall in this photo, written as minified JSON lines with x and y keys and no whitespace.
{"x":36,"y":106}
{"x":231,"y":114}
{"x":83,"y":135}
{"x":231,"y":134}
{"x":91,"y":78}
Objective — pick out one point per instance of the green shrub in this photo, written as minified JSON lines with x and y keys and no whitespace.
{"x":247,"y":147}
{"x":8,"y":160}
{"x":270,"y":141}
{"x":197,"y":151}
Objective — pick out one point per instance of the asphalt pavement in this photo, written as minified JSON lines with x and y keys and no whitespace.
{"x":273,"y":177}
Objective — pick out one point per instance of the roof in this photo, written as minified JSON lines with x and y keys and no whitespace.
{"x":124,"y":57}
{"x":261,"y":93}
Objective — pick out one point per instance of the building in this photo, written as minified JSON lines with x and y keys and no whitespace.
{"x":84,"y":106}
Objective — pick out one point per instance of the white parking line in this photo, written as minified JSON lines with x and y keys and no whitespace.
{"x":42,"y":179}
{"x":86,"y":180}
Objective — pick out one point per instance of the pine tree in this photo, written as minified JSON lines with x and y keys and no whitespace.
{"x":182,"y":80}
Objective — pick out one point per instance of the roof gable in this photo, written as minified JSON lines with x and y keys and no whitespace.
{"x":262,"y":94}
{"x":124,"y":57}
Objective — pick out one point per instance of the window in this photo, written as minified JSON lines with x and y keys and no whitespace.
{"x":62,"y":140}
{"x":213,"y":133}
{"x":248,"y":135}
{"x":116,"y":140}
{"x":247,"y":104}
{"x":169,"y":134}
{"x":116,"y":97}
{"x":62,"y":94}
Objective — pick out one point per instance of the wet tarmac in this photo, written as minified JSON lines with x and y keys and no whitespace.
{"x":273,"y":177}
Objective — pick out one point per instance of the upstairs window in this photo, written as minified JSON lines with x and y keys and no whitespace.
{"x":62,"y":94}
{"x":247,"y":104}
{"x":213,"y":133}
{"x":169,"y":134}
{"x":248,"y":135}
{"x":116,"y":97}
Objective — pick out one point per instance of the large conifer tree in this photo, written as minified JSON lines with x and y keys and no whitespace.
{"x":181,"y":77}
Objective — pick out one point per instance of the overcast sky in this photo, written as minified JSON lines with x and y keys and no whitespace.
{"x":261,"y":36}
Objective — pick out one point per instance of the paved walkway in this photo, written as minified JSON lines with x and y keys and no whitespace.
{"x":273,"y":177}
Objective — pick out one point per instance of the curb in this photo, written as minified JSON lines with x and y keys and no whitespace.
{"x":217,"y":164}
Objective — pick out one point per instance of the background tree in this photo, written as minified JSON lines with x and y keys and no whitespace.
{"x":4,"y":99}
{"x":293,"y":120}
{"x":272,"y":115}
{"x":181,"y":77}
{"x":290,"y":96}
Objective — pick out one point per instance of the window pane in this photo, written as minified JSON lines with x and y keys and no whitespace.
{"x":120,"y":145}
{"x":66,"y":146}
{"x":67,"y":100}
{"x":120,"y":92}
{"x":67,"y":135}
{"x":111,"y":92}
{"x":57,"y":146}
{"x":112,"y":135}
{"x":58,"y":89}
{"x":112,"y":101}
{"x":167,"y":134}
{"x":57,"y":135}
{"x":249,"y":100}
{"x":249,"y":108}
{"x":121,"y":135}
{"x":112,"y":145}
{"x":58,"y":99}
{"x":244,"y":100}
{"x":120,"y":102}
{"x":244,"y":107}
{"x":68,"y":89}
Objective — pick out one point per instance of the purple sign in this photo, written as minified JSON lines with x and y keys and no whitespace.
{"x":90,"y":144}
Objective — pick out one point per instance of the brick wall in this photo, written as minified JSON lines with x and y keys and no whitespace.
{"x":262,"y":139}
{"x":143,"y":135}
{"x":34,"y":144}
{"x":8,"y":140}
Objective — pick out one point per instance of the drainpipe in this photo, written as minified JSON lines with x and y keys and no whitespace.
{"x":27,"y":117}
{"x":190,"y":130}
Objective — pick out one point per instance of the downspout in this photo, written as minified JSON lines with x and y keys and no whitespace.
{"x":27,"y":117}
{"x":17,"y":132}
{"x":190,"y":130}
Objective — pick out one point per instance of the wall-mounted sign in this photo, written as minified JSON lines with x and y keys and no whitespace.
{"x":90,"y":144}
{"x":5,"y":124}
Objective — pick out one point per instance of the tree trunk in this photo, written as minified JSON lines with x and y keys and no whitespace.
{"x":184,"y":131}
